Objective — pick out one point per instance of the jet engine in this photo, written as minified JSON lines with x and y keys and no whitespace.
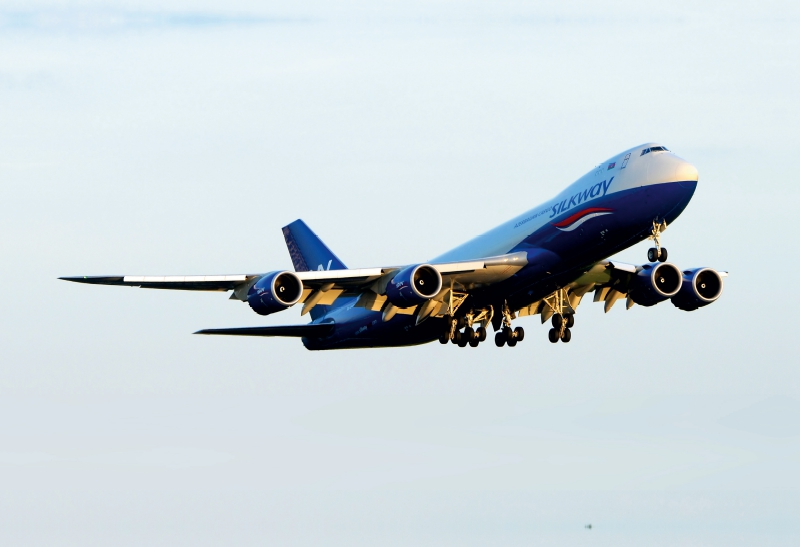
{"x":414,"y":285}
{"x":701,"y":287}
{"x":274,"y":292}
{"x":655,"y":283}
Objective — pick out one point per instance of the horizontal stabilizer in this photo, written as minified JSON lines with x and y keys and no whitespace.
{"x":309,"y":331}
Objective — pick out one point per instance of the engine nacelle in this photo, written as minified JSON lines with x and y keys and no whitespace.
{"x":655,"y":283}
{"x":414,"y":285}
{"x":274,"y":292}
{"x":701,"y":287}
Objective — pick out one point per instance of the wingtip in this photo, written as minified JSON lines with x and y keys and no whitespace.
{"x":76,"y":279}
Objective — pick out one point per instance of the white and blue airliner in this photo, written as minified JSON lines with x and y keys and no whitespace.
{"x":543,"y":262}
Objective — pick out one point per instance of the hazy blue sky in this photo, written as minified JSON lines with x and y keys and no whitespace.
{"x":178,"y":137}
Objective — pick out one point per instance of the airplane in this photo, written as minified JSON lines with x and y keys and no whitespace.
{"x":541,"y":262}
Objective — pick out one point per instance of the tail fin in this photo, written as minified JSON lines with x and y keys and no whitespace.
{"x":308,"y":252}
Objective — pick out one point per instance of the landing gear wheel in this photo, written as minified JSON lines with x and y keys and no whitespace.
{"x":552,"y":335}
{"x":567,"y":336}
{"x":445,"y":338}
{"x":557,"y":321}
{"x":652,"y":254}
{"x":499,"y":339}
{"x":463,"y":340}
{"x":456,"y":337}
{"x":461,"y":323}
{"x":519,"y":334}
{"x":511,"y":342}
{"x":481,"y":332}
{"x":473,"y":343}
{"x":469,"y":334}
{"x":662,"y":256}
{"x":570,"y":321}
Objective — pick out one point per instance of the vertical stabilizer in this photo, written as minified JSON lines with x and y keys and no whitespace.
{"x":308,"y":252}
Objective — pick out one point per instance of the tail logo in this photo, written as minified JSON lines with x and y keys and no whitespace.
{"x":573,"y":221}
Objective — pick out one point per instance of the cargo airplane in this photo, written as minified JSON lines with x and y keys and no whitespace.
{"x":541,"y":262}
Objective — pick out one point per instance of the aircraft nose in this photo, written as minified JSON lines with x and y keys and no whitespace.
{"x":686,"y":171}
{"x":667,"y":167}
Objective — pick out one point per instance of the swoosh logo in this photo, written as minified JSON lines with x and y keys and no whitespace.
{"x":573,"y":221}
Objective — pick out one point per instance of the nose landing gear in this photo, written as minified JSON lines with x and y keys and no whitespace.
{"x":657,"y":253}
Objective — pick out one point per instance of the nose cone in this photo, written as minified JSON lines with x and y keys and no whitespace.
{"x":685,"y":172}
{"x":667,"y":167}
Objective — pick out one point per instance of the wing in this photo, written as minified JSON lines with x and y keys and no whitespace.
{"x":325,"y":286}
{"x":175,"y":282}
{"x":610,"y":280}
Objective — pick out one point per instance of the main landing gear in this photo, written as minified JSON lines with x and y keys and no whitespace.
{"x":507,"y":335}
{"x":657,"y":253}
{"x":470,"y":335}
{"x":561,"y":326}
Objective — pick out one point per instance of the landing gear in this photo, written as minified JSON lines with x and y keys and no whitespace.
{"x":561,"y":326}
{"x":657,"y":253}
{"x":507,"y":335}
{"x":654,"y":254}
{"x":470,"y":335}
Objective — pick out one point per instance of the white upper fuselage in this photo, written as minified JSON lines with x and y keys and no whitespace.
{"x":627,"y":170}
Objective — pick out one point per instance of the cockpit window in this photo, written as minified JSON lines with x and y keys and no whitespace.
{"x":654,"y":149}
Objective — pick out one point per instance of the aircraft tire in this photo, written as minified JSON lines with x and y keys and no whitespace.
{"x":445,"y":338}
{"x":473,"y":343}
{"x":512,"y":342}
{"x":469,"y":333}
{"x":567,"y":336}
{"x":519,"y":334}
{"x":456,"y":337}
{"x":552,"y":335}
{"x":570,"y":321}
{"x":463,"y":341}
{"x":481,"y":332}
{"x":499,"y":339}
{"x":652,"y":254}
{"x":662,"y":257}
{"x":557,"y":321}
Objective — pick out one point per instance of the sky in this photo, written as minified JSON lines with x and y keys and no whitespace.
{"x":179,"y":137}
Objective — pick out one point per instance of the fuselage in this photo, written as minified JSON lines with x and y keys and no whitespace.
{"x":610,"y":208}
